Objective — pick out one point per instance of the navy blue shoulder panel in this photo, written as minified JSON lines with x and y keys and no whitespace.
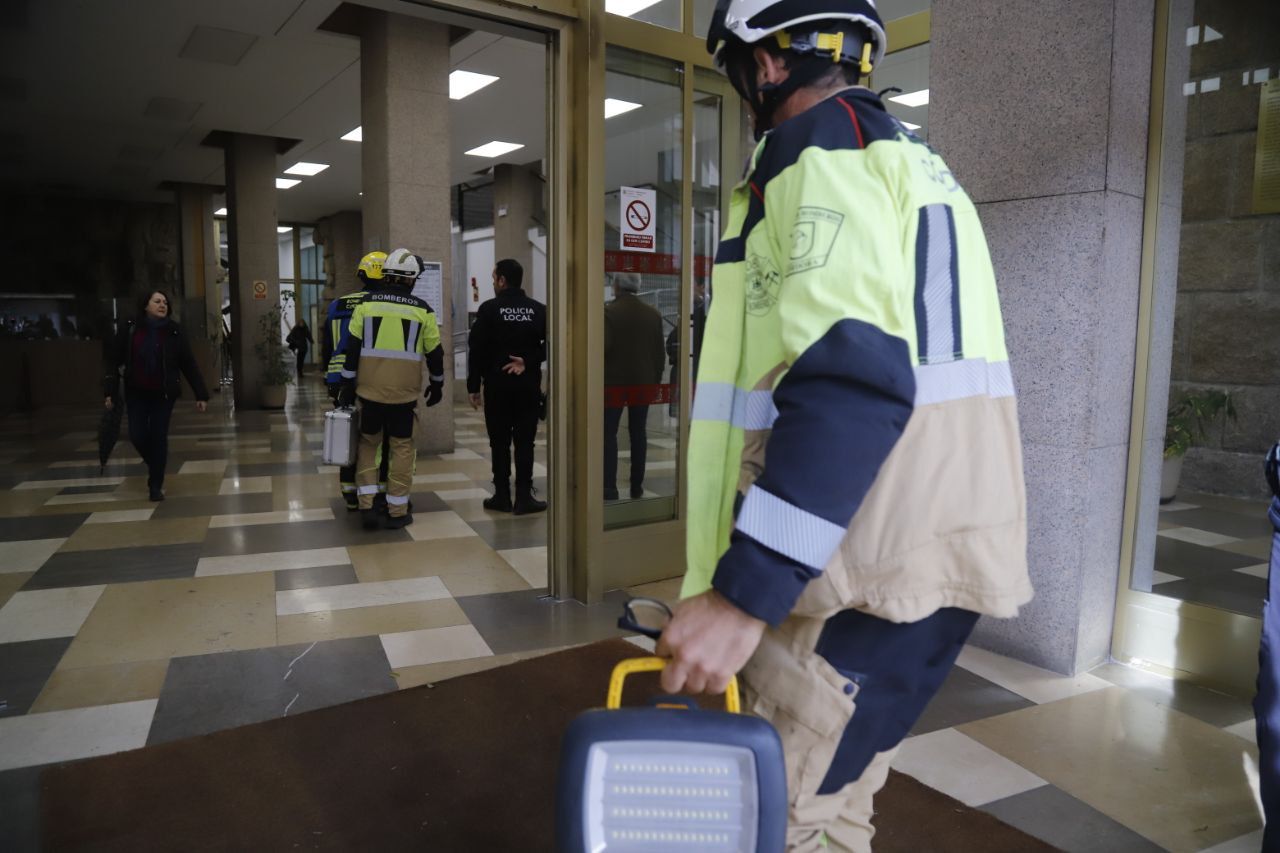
{"x":851,"y":120}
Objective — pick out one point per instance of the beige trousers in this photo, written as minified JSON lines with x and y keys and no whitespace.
{"x":810,"y":704}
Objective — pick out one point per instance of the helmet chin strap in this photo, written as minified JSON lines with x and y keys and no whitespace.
{"x":765,"y":100}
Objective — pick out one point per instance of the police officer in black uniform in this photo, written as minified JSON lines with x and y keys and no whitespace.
{"x":506,"y":349}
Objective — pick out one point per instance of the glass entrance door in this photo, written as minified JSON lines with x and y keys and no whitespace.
{"x":1197,"y":538}
{"x":670,"y":130}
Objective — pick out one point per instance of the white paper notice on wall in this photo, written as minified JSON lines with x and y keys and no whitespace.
{"x":636,"y":220}
{"x":429,"y":286}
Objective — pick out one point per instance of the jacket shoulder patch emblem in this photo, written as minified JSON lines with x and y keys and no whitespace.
{"x":812,"y":236}
{"x":763,"y":281}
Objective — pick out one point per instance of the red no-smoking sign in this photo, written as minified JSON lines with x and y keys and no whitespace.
{"x":637,"y":231}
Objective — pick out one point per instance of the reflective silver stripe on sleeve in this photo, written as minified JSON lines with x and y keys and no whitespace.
{"x":789,"y":530}
{"x":956,"y":380}
{"x":939,"y":286}
{"x":348,"y":374}
{"x":726,"y":403}
{"x":370,"y":352}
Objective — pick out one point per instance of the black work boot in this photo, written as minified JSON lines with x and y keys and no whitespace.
{"x":526,"y":503}
{"x":371,"y":519}
{"x":501,"y":500}
{"x":396,"y":522}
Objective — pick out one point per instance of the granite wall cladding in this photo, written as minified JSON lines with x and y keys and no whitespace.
{"x":1055,"y":156}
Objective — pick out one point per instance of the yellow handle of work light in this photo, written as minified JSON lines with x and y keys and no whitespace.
{"x":732,"y":703}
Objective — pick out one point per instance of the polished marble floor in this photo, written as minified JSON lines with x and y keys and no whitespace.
{"x":250,"y":593}
{"x":1214,"y":550}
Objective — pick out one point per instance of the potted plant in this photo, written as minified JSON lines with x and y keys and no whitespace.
{"x":1187,"y":425}
{"x":270,"y":350}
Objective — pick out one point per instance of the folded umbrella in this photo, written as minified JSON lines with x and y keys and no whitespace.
{"x":109,"y":433}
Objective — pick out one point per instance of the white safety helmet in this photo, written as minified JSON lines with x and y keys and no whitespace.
{"x":845,"y":32}
{"x":402,"y":265}
{"x":752,"y":21}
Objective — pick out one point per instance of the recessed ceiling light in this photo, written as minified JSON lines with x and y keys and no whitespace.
{"x":356,"y":135}
{"x":285,"y":183}
{"x":627,"y":8}
{"x":222,"y":211}
{"x":909,"y":126}
{"x":912,"y":99}
{"x":283,"y":229}
{"x":304,"y":168}
{"x":614,"y":107}
{"x":495,"y":149}
{"x":463,"y":83}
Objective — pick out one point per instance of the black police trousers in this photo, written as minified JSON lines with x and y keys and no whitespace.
{"x":511,"y":418}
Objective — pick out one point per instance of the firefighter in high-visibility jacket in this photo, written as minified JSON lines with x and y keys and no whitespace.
{"x":855,"y":475}
{"x":333,"y":342}
{"x":390,"y":333}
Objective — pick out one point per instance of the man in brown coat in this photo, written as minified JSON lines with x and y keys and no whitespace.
{"x":634,"y":356}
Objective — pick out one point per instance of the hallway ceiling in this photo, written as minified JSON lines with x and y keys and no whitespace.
{"x":112,"y":99}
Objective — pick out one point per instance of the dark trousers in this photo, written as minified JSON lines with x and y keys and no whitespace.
{"x":511,"y":418}
{"x":301,"y":353}
{"x":898,"y":667}
{"x":637,"y":421}
{"x":149,"y":431}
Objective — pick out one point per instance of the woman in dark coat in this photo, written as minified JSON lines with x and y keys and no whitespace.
{"x":299,"y":340}
{"x":153,"y":350}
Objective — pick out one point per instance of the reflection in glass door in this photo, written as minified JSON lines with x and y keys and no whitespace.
{"x":643,"y":240}
{"x":1199,"y":536}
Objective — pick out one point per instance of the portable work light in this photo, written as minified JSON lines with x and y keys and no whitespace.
{"x":670,"y":777}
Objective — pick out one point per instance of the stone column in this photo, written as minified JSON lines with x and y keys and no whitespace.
{"x":199,"y":297}
{"x":404,"y":110}
{"x":517,"y":191}
{"x":1054,"y":155}
{"x":254,"y":252}
{"x":340,"y":234}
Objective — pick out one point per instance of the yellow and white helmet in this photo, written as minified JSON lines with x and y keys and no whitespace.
{"x":752,"y":21}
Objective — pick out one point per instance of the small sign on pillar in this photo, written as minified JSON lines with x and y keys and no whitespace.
{"x":259,"y":290}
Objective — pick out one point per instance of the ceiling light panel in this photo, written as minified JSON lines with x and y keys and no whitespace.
{"x":285,"y":183}
{"x":222,"y":211}
{"x":304,"y":168}
{"x":214,"y":44}
{"x":627,"y":8}
{"x":614,"y":107}
{"x":463,"y":83}
{"x":283,"y":229}
{"x":912,"y":99}
{"x":356,"y":135}
{"x":495,"y":149}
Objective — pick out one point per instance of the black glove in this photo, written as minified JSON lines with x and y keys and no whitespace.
{"x":347,"y":394}
{"x":435,"y":393}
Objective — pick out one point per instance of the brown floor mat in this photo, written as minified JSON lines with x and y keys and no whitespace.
{"x":465,"y":765}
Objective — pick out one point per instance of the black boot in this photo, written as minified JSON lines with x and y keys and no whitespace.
{"x":501,"y":500}
{"x":371,"y":519}
{"x":526,"y":503}
{"x":396,"y":522}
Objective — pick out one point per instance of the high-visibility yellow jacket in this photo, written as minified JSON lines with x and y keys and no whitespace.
{"x":855,"y":435}
{"x":389,"y":334}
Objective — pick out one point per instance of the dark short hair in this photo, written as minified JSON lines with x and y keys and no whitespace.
{"x":145,"y":296}
{"x":509,"y":270}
